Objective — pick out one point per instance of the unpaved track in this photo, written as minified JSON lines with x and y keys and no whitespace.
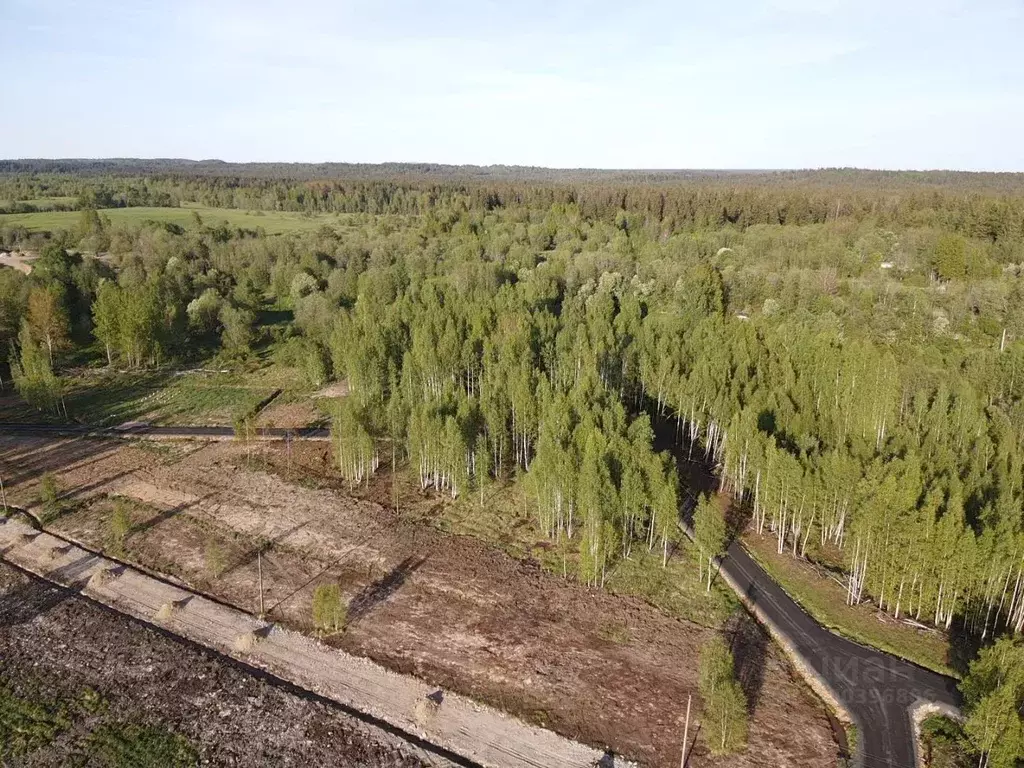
{"x":479,"y":733}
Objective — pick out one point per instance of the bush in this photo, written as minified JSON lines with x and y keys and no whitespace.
{"x":329,"y":612}
{"x":49,"y":498}
{"x":119,"y":525}
{"x":725,"y":705}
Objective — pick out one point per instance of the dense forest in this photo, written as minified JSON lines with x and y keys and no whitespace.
{"x":846,"y":348}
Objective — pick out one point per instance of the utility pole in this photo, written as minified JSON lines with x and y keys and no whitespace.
{"x":686,"y":732}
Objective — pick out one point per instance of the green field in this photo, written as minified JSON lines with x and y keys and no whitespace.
{"x":42,"y":203}
{"x":272,"y":222}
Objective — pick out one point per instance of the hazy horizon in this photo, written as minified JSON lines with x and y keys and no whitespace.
{"x":431,"y":164}
{"x":762,"y":84}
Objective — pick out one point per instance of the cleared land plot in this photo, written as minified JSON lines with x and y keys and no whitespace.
{"x":272,"y":222}
{"x":108,"y":399}
{"x":87,"y":684}
{"x":603,"y":669}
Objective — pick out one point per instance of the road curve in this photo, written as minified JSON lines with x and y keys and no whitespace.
{"x":876,"y":688}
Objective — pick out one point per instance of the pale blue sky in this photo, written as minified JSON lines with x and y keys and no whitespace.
{"x":746,"y":84}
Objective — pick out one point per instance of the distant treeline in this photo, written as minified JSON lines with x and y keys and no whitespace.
{"x":422,"y":172}
{"x":982,"y":205}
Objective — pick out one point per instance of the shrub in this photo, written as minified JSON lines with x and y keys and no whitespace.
{"x":329,"y":612}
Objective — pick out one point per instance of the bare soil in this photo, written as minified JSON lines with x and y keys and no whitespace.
{"x":63,"y":647}
{"x":19,"y":260}
{"x":290,"y":415}
{"x":607,"y":670}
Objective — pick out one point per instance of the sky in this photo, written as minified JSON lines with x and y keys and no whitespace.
{"x":625,"y":84}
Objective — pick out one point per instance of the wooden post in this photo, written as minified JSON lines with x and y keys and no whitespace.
{"x":259,"y":567}
{"x":3,"y":494}
{"x":686,"y":732}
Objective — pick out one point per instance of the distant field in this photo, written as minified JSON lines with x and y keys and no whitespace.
{"x":273,"y":223}
{"x":42,"y":203}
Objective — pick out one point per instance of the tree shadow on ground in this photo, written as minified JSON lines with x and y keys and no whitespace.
{"x":964,"y":645}
{"x":165,"y":515}
{"x":26,"y":601}
{"x":261,"y":547}
{"x":380,"y":591}
{"x":749,"y":643}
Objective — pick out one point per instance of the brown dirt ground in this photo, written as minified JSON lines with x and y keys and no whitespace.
{"x":607,"y":670}
{"x":66,"y":647}
{"x":290,"y":415}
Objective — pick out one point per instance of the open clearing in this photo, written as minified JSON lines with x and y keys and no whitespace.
{"x":17,"y":260}
{"x":602,"y":669}
{"x":107,"y":398}
{"x":272,"y":222}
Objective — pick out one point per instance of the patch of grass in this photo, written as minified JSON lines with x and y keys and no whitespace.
{"x":825,"y":600}
{"x":108,"y":399}
{"x":616,"y":632}
{"x":676,"y":589}
{"x":91,"y":701}
{"x":330,"y":614}
{"x":26,"y":726}
{"x":41,"y":203}
{"x":944,"y":745}
{"x":119,"y":526}
{"x":504,"y":519}
{"x":272,"y":222}
{"x":135,"y":746}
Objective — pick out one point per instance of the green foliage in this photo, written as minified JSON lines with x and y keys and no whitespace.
{"x":49,"y":498}
{"x":493,"y":330}
{"x":329,"y":612}
{"x":950,"y":261}
{"x":26,"y":726}
{"x":119,"y":525}
{"x":33,"y":373}
{"x":994,"y":697}
{"x":135,"y":321}
{"x":709,"y":532}
{"x":204,"y":312}
{"x":944,"y":744}
{"x":129,"y":745}
{"x":14,"y":288}
{"x":237,"y":335}
{"x":354,"y":446}
{"x":725,"y":704}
